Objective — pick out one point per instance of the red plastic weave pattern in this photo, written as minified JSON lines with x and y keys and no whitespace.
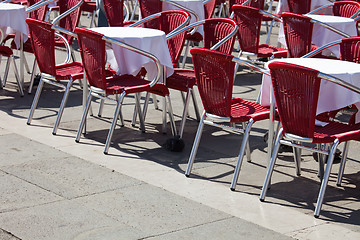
{"x":296,"y":91}
{"x":71,"y":21}
{"x":253,"y":3}
{"x":149,"y":7}
{"x":249,"y":22}
{"x":345,"y":8}
{"x":39,"y":13}
{"x":214,"y":73}
{"x":350,"y":49}
{"x":114,"y":12}
{"x":209,"y":8}
{"x":298,"y":33}
{"x":43,"y":45}
{"x":215,"y":29}
{"x":170,"y":20}
{"x":299,"y":6}
{"x":92,"y":49}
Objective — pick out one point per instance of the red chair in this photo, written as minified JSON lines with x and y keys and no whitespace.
{"x":298,"y":114}
{"x":114,"y":11}
{"x":219,"y":33}
{"x":38,"y":13}
{"x":215,"y":77}
{"x":5,"y":51}
{"x":249,"y":21}
{"x":90,"y":7}
{"x":92,"y":48}
{"x":43,"y":43}
{"x":299,"y":6}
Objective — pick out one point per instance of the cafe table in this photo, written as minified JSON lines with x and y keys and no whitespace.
{"x":12,"y":21}
{"x":124,"y":61}
{"x":284,"y":7}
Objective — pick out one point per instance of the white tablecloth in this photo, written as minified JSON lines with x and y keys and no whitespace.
{"x":128,"y":62}
{"x":284,"y":7}
{"x":322,"y":35}
{"x":332,"y":96}
{"x":12,"y":20}
{"x":196,"y":5}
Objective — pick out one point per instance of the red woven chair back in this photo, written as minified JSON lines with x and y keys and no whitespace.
{"x":296,"y":91}
{"x":345,"y":8}
{"x":253,"y":3}
{"x":298,"y":33}
{"x":39,"y":13}
{"x":92,"y":49}
{"x":170,"y":20}
{"x":71,"y":21}
{"x":43,"y":44}
{"x":149,"y":7}
{"x":299,"y":6}
{"x":214,"y":73}
{"x":216,"y":29}
{"x":249,"y":22}
{"x":350,"y":49}
{"x":209,"y":8}
{"x":114,"y":12}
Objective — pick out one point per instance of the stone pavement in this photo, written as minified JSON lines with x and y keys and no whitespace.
{"x":54,"y":188}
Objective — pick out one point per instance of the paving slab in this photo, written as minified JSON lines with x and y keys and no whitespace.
{"x":16,"y":193}
{"x":233,"y":228}
{"x":59,"y":220}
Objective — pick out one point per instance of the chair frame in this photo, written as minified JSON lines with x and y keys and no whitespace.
{"x":294,"y":141}
{"x":217,"y":121}
{"x":47,"y":78}
{"x":100,"y":93}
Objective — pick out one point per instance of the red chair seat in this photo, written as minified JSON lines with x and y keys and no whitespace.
{"x":75,"y":69}
{"x":266,"y":51}
{"x":5,"y":51}
{"x":88,"y":6}
{"x":131,"y":84}
{"x":242,"y":111}
{"x":328,"y":133}
{"x":196,"y":37}
{"x":181,"y":80}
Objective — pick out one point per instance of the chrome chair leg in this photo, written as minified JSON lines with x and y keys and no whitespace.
{"x":6,"y":73}
{"x":185,"y":113}
{"x":171,"y":115}
{"x":101,"y":107}
{"x":195,"y":145}
{"x":113,"y":124}
{"x":138,"y":108}
{"x":297,"y":159}
{"x":342,"y":164}
{"x":247,"y":148}
{"x":17,"y":76}
{"x":62,"y":106}
{"x":243,"y":149}
{"x":32,"y":78}
{"x":325,"y":180}
{"x":185,"y":54}
{"x":35,"y":101}
{"x":83,"y":117}
{"x":271,"y":167}
{"x":164,"y":116}
{"x":195,"y":105}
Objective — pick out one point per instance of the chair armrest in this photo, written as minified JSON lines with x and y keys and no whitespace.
{"x":226,"y":38}
{"x":197,"y":19}
{"x":316,"y":10}
{"x":329,"y":27}
{"x":322,"y":48}
{"x":38,"y":5}
{"x":144,"y":20}
{"x":187,"y":28}
{"x":251,"y":65}
{"x":338,"y":81}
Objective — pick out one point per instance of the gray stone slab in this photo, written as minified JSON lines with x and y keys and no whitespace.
{"x":16,"y":193}
{"x":70,"y":177}
{"x":232,"y":228}
{"x":60,"y":220}
{"x":152,"y":209}
{"x":7,"y":236}
{"x":22,"y":150}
